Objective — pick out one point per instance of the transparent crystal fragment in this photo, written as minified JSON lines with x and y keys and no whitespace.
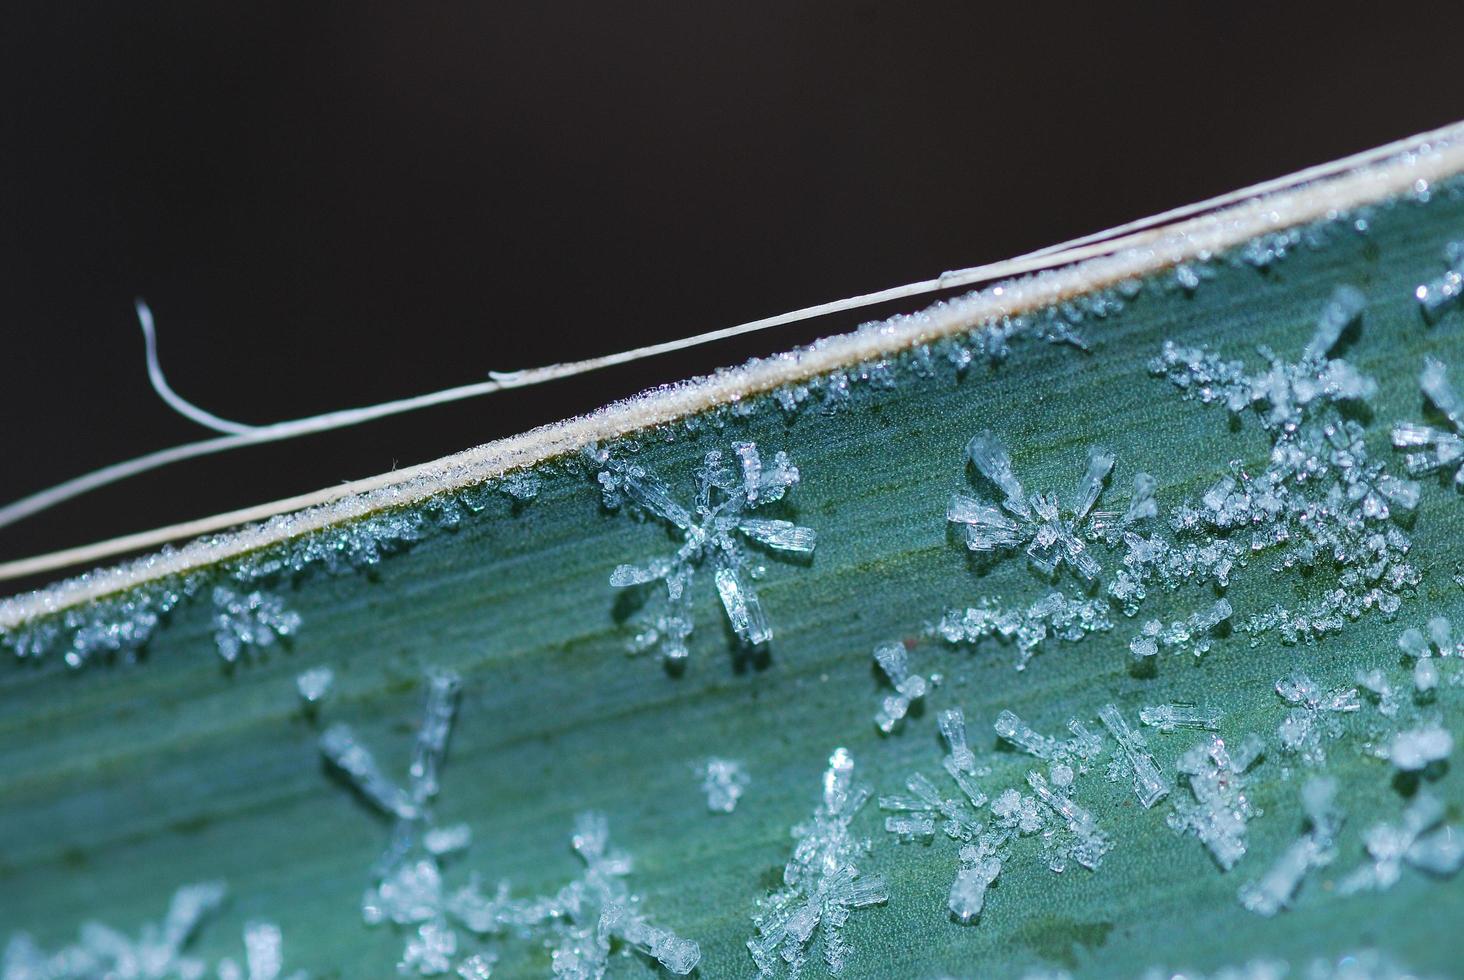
{"x":1049,"y":533}
{"x":1135,"y":760}
{"x":1375,"y":682}
{"x":314,"y":684}
{"x":448,"y":840}
{"x":1313,"y":718}
{"x":1420,"y":838}
{"x":1221,"y":807}
{"x":1068,"y":757}
{"x":822,"y":883}
{"x":712,"y":531}
{"x":1426,"y":449}
{"x":1437,"y":295}
{"x":1418,"y":748}
{"x":253,"y":620}
{"x":1169,"y":718}
{"x":1314,"y":849}
{"x":978,"y":869}
{"x":894,"y":661}
{"x":723,"y":782}
{"x":1089,"y":843}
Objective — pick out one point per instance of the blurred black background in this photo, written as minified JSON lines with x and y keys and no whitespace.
{"x":334,"y":204}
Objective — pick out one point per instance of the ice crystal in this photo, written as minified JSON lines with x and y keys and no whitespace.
{"x":1315,"y":848}
{"x":894,"y":661}
{"x":1169,"y":718}
{"x":1427,"y":449}
{"x":314,"y":685}
{"x":1133,"y":759}
{"x":1054,"y":616}
{"x":1437,"y":295}
{"x":1363,"y":965}
{"x":1050,"y":534}
{"x":710,"y":530}
{"x":158,"y":953}
{"x":1193,"y":634}
{"x":822,"y":883}
{"x":723,"y":782}
{"x":1420,"y":839}
{"x":1285,"y":394}
{"x":1221,"y":807}
{"x":1375,"y":682}
{"x":1418,"y":748}
{"x":1075,"y":834}
{"x":1067,"y":758}
{"x":254,"y":620}
{"x":1313,"y":717}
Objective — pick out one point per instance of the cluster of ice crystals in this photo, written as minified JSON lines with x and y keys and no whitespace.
{"x":1286,"y":394}
{"x":1067,"y":758}
{"x":113,"y":628}
{"x":158,"y":953}
{"x":583,"y":923}
{"x":1420,"y":838}
{"x":1427,"y":449}
{"x":314,"y":685}
{"x":711,"y":531}
{"x":1169,"y":718}
{"x":1193,"y":633}
{"x":1133,"y":758}
{"x":1315,"y":848}
{"x":1050,"y":533}
{"x":1221,"y":807}
{"x":1418,"y":748}
{"x":255,"y":619}
{"x":914,"y":817}
{"x":894,"y":661}
{"x":1054,"y":616}
{"x":1074,"y":834}
{"x":1313,"y":716}
{"x":822,"y":883}
{"x":1437,"y":295}
{"x":723,"y":782}
{"x":1363,"y":965}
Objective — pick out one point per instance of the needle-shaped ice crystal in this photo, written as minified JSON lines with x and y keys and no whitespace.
{"x":1169,"y":718}
{"x":1314,"y":717}
{"x":915,"y":816}
{"x":822,"y":883}
{"x":723,"y":782}
{"x":1427,"y":449}
{"x":1135,"y":760}
{"x":1420,"y":839}
{"x":1221,"y":807}
{"x":894,"y":661}
{"x":1067,"y":758}
{"x":1049,"y":532}
{"x":1437,"y":295}
{"x":712,"y":530}
{"x":1316,"y":848}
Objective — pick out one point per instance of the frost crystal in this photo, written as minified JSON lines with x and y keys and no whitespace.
{"x":253,"y":620}
{"x":1221,"y":808}
{"x":1314,"y":716}
{"x":1418,"y":748}
{"x":1426,"y":449}
{"x":723,"y":781}
{"x":1192,"y":634}
{"x":1134,"y":759}
{"x":710,"y":531}
{"x":1068,"y":758}
{"x":914,"y":817}
{"x":1421,"y":839}
{"x":1437,"y":295}
{"x":1084,"y":841}
{"x":895,"y":662}
{"x":158,"y":951}
{"x":1054,"y":616}
{"x":1169,"y":718}
{"x":1037,"y":522}
{"x":1314,"y":849}
{"x":822,"y":883}
{"x":314,"y":684}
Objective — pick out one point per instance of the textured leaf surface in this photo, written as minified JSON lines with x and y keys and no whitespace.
{"x":119,"y":782}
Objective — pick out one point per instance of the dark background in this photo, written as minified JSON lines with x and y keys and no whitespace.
{"x":330,"y":205}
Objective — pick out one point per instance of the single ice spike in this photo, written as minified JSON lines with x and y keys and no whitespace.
{"x":952,"y":723}
{"x":341,"y":749}
{"x":1149,"y":782}
{"x":1169,"y":718}
{"x":894,"y":661}
{"x":990,"y":457}
{"x":1016,"y":731}
{"x":1341,"y":310}
{"x":1434,"y":380}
